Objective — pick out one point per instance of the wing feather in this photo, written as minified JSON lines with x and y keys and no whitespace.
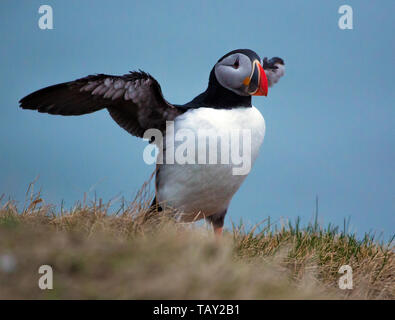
{"x":134,"y":100}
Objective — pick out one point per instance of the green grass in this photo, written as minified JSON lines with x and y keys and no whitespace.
{"x":132,"y":254}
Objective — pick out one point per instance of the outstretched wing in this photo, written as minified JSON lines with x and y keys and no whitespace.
{"x":274,"y":69}
{"x":134,"y":100}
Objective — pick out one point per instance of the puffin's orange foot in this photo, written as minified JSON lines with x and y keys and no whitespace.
{"x":218,"y":232}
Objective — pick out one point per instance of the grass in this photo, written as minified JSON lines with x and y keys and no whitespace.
{"x":134,"y":254}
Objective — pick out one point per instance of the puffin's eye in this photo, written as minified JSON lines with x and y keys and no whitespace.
{"x":236,"y":64}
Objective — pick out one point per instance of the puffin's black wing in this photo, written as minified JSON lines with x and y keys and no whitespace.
{"x":134,"y":100}
{"x":274,"y":69}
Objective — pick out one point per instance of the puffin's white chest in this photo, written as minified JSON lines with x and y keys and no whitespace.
{"x":200,"y":186}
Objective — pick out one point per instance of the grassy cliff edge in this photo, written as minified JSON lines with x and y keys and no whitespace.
{"x":132,"y":254}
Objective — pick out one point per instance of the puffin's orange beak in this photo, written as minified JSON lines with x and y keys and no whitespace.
{"x":263,"y":85}
{"x":256,"y":84}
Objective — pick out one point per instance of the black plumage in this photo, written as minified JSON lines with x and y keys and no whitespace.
{"x":134,"y":100}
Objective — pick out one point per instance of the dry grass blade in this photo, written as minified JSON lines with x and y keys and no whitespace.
{"x":135,"y":252}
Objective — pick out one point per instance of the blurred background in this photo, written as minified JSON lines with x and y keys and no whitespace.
{"x":330,"y":120}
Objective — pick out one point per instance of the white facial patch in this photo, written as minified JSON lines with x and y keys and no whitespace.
{"x":231,"y":72}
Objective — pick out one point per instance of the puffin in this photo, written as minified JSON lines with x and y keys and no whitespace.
{"x":194,"y":189}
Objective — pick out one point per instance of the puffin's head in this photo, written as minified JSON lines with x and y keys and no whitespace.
{"x":241,"y":71}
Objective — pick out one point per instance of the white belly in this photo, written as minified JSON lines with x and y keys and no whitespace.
{"x":201,"y":189}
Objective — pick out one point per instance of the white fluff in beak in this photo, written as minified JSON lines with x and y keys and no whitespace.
{"x":273,"y":75}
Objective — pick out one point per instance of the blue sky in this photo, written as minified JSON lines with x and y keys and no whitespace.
{"x":330,"y":121}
